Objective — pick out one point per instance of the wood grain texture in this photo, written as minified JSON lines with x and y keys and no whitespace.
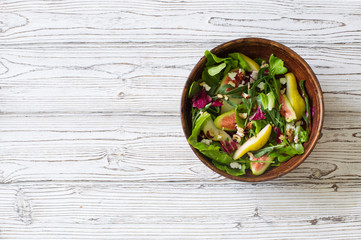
{"x":91,"y":145}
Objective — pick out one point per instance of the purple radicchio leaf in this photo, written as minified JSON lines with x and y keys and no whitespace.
{"x":258,"y":114}
{"x":201,"y":99}
{"x":279,"y":133}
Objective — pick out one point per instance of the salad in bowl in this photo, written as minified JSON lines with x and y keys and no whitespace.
{"x":248,"y":114}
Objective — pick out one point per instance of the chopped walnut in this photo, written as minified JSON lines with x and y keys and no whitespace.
{"x":249,"y":125}
{"x":226,"y":97}
{"x":231,"y":83}
{"x":289,"y":134}
{"x":245,"y":95}
{"x":242,"y":115}
{"x":240,"y":131}
{"x":219,"y":95}
{"x":251,"y":156}
{"x":237,"y":138}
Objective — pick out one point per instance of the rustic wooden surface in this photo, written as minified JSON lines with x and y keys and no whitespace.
{"x":90,"y":133}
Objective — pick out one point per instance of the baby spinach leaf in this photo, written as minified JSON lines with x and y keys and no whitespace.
{"x":229,"y":170}
{"x":276,"y":65}
{"x":214,"y":70}
{"x":194,"y":89}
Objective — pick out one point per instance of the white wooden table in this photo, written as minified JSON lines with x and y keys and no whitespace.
{"x":91,"y":145}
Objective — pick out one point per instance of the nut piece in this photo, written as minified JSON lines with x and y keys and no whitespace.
{"x":232,"y":84}
{"x":237,"y":138}
{"x":206,"y":86}
{"x":251,"y":156}
{"x":249,"y":125}
{"x":226,"y":97}
{"x":245,"y":95}
{"x":219,"y":95}
{"x":289,"y":134}
{"x":242,"y":115}
{"x":240,"y":131}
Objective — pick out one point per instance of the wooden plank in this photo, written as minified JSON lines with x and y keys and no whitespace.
{"x":128,"y":148}
{"x":90,"y":135}
{"x":174,"y":211}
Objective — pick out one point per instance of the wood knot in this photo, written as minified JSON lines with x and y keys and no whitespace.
{"x":121,"y":95}
{"x":23,"y":208}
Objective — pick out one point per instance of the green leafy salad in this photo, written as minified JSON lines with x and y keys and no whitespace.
{"x":248,"y":113}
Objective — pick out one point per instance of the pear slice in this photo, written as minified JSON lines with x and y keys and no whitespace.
{"x":254,"y":143}
{"x":254,"y":66}
{"x":294,"y":96}
{"x":227,"y":107}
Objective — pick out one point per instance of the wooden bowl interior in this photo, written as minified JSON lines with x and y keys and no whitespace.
{"x":262,"y":48}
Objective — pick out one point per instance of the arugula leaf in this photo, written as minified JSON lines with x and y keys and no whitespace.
{"x":267,"y":150}
{"x":241,"y":62}
{"x":276,"y":65}
{"x":212,"y":71}
{"x":229,"y":170}
{"x":259,"y":61}
{"x":285,"y":153}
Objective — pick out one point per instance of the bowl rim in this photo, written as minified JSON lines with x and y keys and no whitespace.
{"x":312,"y":142}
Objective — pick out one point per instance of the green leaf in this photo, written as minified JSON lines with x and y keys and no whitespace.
{"x":214,"y":152}
{"x":271,"y":100}
{"x":259,"y":124}
{"x":302,"y":134}
{"x":240,"y":109}
{"x":202,"y":119}
{"x":298,"y":147}
{"x":259,"y":61}
{"x":241,"y":62}
{"x":213,"y":59}
{"x":262,"y":100}
{"x":212,"y":71}
{"x":267,"y":150}
{"x":194,"y":89}
{"x":229,"y":170}
{"x":276,"y":65}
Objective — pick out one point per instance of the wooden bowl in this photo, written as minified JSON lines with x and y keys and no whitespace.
{"x":262,"y":48}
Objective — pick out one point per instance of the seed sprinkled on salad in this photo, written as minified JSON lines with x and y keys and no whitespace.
{"x":248,"y":114}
